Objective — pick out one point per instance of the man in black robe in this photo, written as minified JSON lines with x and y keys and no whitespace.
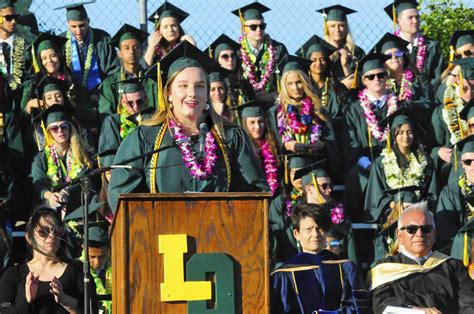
{"x":417,"y":277}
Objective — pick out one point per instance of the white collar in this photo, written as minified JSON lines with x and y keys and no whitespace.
{"x":411,"y":44}
{"x":256,"y":51}
{"x":9,"y":41}
{"x":404,"y":252}
{"x":383,"y":99}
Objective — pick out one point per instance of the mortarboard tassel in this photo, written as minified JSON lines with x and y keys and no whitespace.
{"x":455,"y":158}
{"x":315,"y":183}
{"x":47,"y":138}
{"x":35,"y":62}
{"x":278,"y":81}
{"x":161,"y":100}
{"x":451,"y":53}
{"x":287,"y":175}
{"x":242,"y":22}
{"x":326,"y":29}
{"x":210,"y":52}
{"x":461,"y":83}
{"x":354,"y":81}
{"x":389,"y":144}
{"x":465,"y":255}
{"x":394,"y":17}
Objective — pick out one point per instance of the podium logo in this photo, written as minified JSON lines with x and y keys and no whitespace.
{"x":195,"y":289}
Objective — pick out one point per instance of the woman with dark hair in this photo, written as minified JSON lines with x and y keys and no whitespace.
{"x":49,"y":282}
{"x":168,"y":32}
{"x":315,"y":280}
{"x":218,"y":96}
{"x":225,"y":164}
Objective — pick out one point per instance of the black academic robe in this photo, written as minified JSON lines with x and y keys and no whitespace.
{"x":447,"y":287}
{"x":171,"y":173}
{"x":318,"y":282}
{"x":336,"y":66}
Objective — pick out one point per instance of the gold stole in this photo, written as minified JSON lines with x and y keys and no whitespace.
{"x":389,"y":272}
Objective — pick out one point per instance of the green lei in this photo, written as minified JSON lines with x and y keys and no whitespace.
{"x":453,"y":104}
{"x":126,"y":126}
{"x":88,"y":61}
{"x":99,"y":286}
{"x":56,"y":169}
{"x":397,"y":177}
{"x":465,"y":188}
{"x":18,"y":62}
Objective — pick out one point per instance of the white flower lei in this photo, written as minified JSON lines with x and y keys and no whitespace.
{"x":18,"y":62}
{"x":453,"y":104}
{"x":397,"y":177}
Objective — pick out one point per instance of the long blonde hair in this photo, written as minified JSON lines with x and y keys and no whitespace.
{"x":350,"y":44}
{"x":309,"y":91}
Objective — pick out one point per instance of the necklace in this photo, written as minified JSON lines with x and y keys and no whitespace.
{"x":90,"y":54}
{"x":397,"y":177}
{"x":18,"y":62}
{"x":406,"y":91}
{"x":453,"y":104}
{"x":269,"y":165}
{"x":56,"y":167}
{"x":370,"y":117}
{"x":294,"y":197}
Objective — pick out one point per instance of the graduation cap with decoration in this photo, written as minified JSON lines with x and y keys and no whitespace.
{"x":390,"y":41}
{"x":223,"y":42}
{"x":128,"y":32}
{"x":310,"y":173}
{"x":45,"y":41}
{"x":459,"y":39}
{"x":184,"y":55}
{"x":337,"y":13}
{"x":394,"y":9}
{"x":370,"y":62}
{"x":252,"y":11}
{"x":167,"y":10}
{"x":294,"y":161}
{"x":76,"y":11}
{"x":130,"y":85}
{"x":252,"y":109}
{"x":315,"y":44}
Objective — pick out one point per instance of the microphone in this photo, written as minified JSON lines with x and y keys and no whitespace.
{"x":204,"y":124}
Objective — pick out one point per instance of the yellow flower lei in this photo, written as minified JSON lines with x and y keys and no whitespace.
{"x":90,"y":54}
{"x":466,"y":190}
{"x":18,"y":62}
{"x":397,"y":177}
{"x":453,"y":104}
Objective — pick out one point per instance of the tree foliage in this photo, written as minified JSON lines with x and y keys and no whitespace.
{"x":440,"y":18}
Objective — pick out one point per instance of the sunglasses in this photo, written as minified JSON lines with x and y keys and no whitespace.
{"x":325,"y":186}
{"x":334,"y":243}
{"x":467,"y":53}
{"x":253,"y":27}
{"x":412,"y":229}
{"x":380,"y":76}
{"x":55,"y":231}
{"x":56,"y":128}
{"x":467,"y":162}
{"x":397,"y":54}
{"x":139,"y":102}
{"x":226,"y":56}
{"x":11,"y":17}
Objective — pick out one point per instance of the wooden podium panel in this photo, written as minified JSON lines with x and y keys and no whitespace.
{"x":231,"y":223}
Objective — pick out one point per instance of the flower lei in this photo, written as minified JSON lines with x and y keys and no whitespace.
{"x":337,"y":214}
{"x":293,"y":125}
{"x":406,"y":91}
{"x":56,"y":166}
{"x":126,"y":126}
{"x":370,"y":117}
{"x":267,"y":63}
{"x":295,"y":195}
{"x":198,"y":171}
{"x":269,"y":165}
{"x":453,"y":104}
{"x":90,"y":54}
{"x":421,"y":54}
{"x":18,"y":62}
{"x":465,"y":189}
{"x":397,"y":177}
{"x":100,"y":289}
{"x":160,"y":53}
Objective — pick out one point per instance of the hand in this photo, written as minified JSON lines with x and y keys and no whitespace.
{"x":154,"y":39}
{"x":54,"y":199}
{"x":189,"y":39}
{"x":345,"y":56}
{"x":290,"y":145}
{"x":348,"y":81}
{"x":57,"y":290}
{"x":445,"y":154}
{"x":32,"y":103}
{"x":31,"y":286}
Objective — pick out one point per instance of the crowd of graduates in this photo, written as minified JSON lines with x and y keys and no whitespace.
{"x":337,"y":135}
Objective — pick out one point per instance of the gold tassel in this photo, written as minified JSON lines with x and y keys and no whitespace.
{"x":35,"y":62}
{"x":394,"y":16}
{"x":161,"y":100}
{"x":210,"y":52}
{"x":389,"y":144}
{"x":451,"y":53}
{"x":302,"y":53}
{"x":47,"y":138}
{"x":287,"y":175}
{"x":455,"y":158}
{"x":354,"y":81}
{"x":242,"y":21}
{"x":465,"y":257}
{"x":326,"y":29}
{"x":315,"y":183}
{"x":278,"y":81}
{"x":461,"y":83}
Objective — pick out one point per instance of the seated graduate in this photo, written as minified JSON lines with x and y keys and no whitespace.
{"x":417,"y":277}
{"x":227,"y":163}
{"x":316,"y":280}
{"x":218,"y":96}
{"x":454,"y":213}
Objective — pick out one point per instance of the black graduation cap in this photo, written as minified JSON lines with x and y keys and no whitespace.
{"x":76,"y":214}
{"x":467,"y":111}
{"x":336,"y":13}
{"x":76,"y":11}
{"x":216,"y":76}
{"x":372,"y":61}
{"x":252,"y":108}
{"x":29,"y":19}
{"x":399,"y":117}
{"x":315,"y":44}
{"x":253,"y":11}
{"x":128,"y":32}
{"x":53,"y":114}
{"x":312,"y":168}
{"x":48,"y":41}
{"x":467,"y":67}
{"x":223,"y":42}
{"x":394,"y":9}
{"x":466,"y":145}
{"x":131,"y":85}
{"x":405,"y":194}
{"x":461,"y":38}
{"x":7,"y":4}
{"x":295,"y":63}
{"x":389,"y":41}
{"x":141,"y":115}
{"x":167,"y":10}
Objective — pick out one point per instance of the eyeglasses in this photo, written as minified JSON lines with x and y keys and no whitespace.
{"x":334,"y":243}
{"x":380,"y":76}
{"x":325,"y":186}
{"x":56,"y":128}
{"x":397,"y":54}
{"x":467,"y":53}
{"x":253,"y":27}
{"x":467,"y":162}
{"x":412,"y":229}
{"x":55,"y":231}
{"x":11,"y":17}
{"x":226,"y":56}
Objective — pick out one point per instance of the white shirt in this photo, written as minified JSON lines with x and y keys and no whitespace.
{"x":411,"y":44}
{"x":382,"y":99}
{"x":9,"y":41}
{"x":404,"y":252}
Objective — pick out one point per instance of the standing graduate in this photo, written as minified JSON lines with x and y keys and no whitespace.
{"x":219,"y":98}
{"x":128,"y":40}
{"x":226,"y":163}
{"x":259,"y":54}
{"x":425,"y":53}
{"x":338,"y":34}
{"x":362,"y":136}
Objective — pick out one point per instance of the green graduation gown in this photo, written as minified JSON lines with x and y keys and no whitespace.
{"x":171,"y":173}
{"x":434,"y":62}
{"x":109,"y":95}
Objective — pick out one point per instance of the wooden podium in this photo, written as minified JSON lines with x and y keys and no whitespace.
{"x":232,"y":223}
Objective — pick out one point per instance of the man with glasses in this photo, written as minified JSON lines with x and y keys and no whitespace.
{"x":259,"y":54}
{"x":417,"y":277}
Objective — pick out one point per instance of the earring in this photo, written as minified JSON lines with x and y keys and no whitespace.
{"x":207,"y":107}
{"x":298,"y":244}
